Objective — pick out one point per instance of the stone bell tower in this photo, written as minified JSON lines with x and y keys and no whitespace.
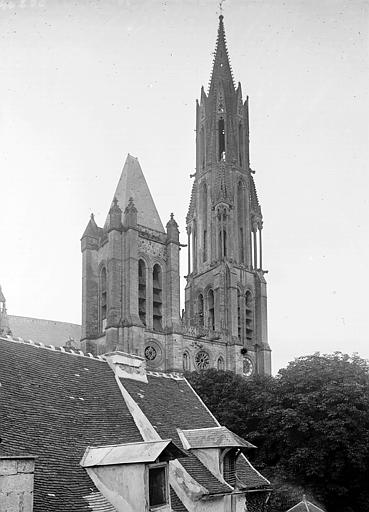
{"x":226,"y":290}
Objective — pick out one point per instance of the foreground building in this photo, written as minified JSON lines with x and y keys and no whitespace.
{"x":85,"y":433}
{"x":131,"y":279}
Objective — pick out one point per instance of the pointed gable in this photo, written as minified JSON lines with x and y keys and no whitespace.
{"x":132,"y":183}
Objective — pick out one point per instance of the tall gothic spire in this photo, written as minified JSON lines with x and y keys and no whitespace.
{"x":222,"y":70}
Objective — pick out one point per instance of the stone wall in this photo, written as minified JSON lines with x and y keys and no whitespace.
{"x":16,"y":483}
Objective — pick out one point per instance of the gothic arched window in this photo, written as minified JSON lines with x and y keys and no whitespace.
{"x":239,"y":316}
{"x":249,"y":314}
{"x":103,"y":299}
{"x":200,"y":309}
{"x":240,"y":144}
{"x":211,"y":315}
{"x":221,"y":140}
{"x":241,"y":220}
{"x":202,"y":148}
{"x":142,"y":290}
{"x":220,"y":363}
{"x":204,"y":201}
{"x":186,"y":361}
{"x":157,"y":297}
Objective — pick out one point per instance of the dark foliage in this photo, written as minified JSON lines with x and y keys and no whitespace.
{"x":310,"y":423}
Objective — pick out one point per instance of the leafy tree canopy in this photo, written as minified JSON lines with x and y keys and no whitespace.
{"x":310,"y":423}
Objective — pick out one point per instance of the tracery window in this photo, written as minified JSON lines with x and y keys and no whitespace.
{"x":202,"y":360}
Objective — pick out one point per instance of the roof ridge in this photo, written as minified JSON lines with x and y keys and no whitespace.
{"x":166,"y":375}
{"x":39,"y":344}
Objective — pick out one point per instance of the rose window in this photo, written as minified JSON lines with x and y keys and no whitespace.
{"x":202,"y":360}
{"x":150,"y":353}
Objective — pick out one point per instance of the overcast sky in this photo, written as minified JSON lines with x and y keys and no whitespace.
{"x":83,"y":83}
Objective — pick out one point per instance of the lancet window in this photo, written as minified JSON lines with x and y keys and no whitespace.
{"x":221,"y":140}
{"x":200,"y":309}
{"x":249,"y":316}
{"x":103,"y":299}
{"x":220,"y":363}
{"x":211,"y":315}
{"x":157,"y":297}
{"x":142,"y":291}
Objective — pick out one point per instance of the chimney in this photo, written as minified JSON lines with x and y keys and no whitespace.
{"x":16,"y":483}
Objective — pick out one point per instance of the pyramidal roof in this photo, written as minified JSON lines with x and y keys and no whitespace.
{"x":221,"y":66}
{"x":132,"y":183}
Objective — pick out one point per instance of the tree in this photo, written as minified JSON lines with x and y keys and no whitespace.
{"x":310,"y":423}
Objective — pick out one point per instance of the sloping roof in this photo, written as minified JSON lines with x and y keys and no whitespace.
{"x":2,"y":298}
{"x":53,"y":405}
{"x":132,"y":183}
{"x":46,"y":331}
{"x":213,"y":437}
{"x":158,"y":399}
{"x":130,"y":453}
{"x":305,"y":506}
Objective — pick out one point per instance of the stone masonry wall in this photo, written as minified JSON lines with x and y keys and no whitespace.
{"x":16,"y":484}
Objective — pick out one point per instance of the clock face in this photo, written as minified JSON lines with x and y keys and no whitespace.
{"x":247,"y":367}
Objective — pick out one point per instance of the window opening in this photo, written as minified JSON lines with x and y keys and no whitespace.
{"x":249,"y":316}
{"x":142,"y":291}
{"x":240,"y":144}
{"x":220,"y":363}
{"x":200,"y":309}
{"x":239,"y":325}
{"x":202,"y":148}
{"x":103,"y":299}
{"x":157,"y":293}
{"x":224,"y":243}
{"x":211,"y":317}
{"x":157,"y":486}
{"x":229,"y":468}
{"x":186,"y":361}
{"x":221,"y":140}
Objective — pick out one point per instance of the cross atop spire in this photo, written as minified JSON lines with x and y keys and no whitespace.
{"x":221,"y":66}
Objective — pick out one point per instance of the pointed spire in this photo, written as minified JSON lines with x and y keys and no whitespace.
{"x":115,"y":216}
{"x":91,"y":229}
{"x":221,"y":66}
{"x":172,"y":230}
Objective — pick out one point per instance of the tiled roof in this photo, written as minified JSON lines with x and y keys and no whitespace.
{"x":53,"y":405}
{"x":214,"y":437}
{"x":305,"y":506}
{"x":46,"y":331}
{"x":176,"y":503}
{"x":160,"y":403}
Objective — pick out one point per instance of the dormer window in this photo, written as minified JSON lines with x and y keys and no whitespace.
{"x":158,"y":485}
{"x":229,"y":466}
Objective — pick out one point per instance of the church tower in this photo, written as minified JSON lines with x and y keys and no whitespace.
{"x":130,"y":266}
{"x":226,"y":290}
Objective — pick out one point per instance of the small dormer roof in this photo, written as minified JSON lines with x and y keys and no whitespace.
{"x":214,"y":437}
{"x":131,"y":453}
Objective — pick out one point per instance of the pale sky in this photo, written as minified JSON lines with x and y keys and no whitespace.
{"x":83,"y":83}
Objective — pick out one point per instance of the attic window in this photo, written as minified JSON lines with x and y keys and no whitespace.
{"x":158,"y":489}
